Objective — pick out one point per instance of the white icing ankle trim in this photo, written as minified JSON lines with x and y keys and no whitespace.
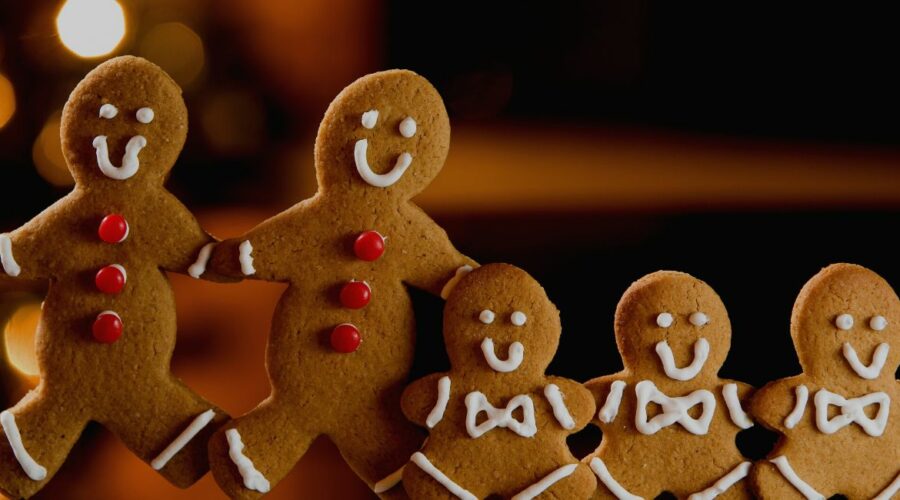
{"x":890,"y":491}
{"x":611,"y":407}
{"x":735,"y":410}
{"x":461,"y":271}
{"x":245,"y":257}
{"x":32,"y":469}
{"x":560,"y":411}
{"x":477,"y":402}
{"x":674,"y":410}
{"x":784,"y":467}
{"x":199,"y":266}
{"x":801,"y":394}
{"x":393,"y":479}
{"x":722,"y":485}
{"x":610,"y":482}
{"x":701,"y":352}
{"x":130,"y":161}
{"x":199,"y":422}
{"x":9,"y":264}
{"x":546,"y":482}
{"x":443,"y":397}
{"x":253,"y":479}
{"x":360,"y":156}
{"x":427,"y":467}
{"x":872,"y":371}
{"x":514,"y":356}
{"x":852,"y":412}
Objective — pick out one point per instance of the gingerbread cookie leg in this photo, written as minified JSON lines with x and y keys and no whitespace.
{"x":772,"y":483}
{"x":422,"y":479}
{"x":569,"y":481}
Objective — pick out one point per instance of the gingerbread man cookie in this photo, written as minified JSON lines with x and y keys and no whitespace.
{"x":669,"y":422}
{"x":839,"y":417}
{"x":107,"y":330}
{"x":343,"y":335}
{"x":497,"y":423}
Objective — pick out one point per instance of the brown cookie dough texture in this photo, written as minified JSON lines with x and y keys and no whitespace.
{"x":839,"y":417}
{"x":669,"y":422}
{"x":104,"y":343}
{"x":497,"y":424}
{"x":342,"y":340}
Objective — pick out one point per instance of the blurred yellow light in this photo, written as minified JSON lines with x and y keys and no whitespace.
{"x":177,"y":49}
{"x":19,"y":337}
{"x":7,"y":101}
{"x":91,"y":28}
{"x":47,"y":154}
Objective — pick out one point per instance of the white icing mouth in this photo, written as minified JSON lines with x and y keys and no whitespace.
{"x":130,"y":161}
{"x":514,"y":356}
{"x":701,"y":352}
{"x":872,"y":371}
{"x":360,"y":156}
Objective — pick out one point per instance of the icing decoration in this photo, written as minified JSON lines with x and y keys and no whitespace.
{"x":852,"y":412}
{"x":130,"y":161}
{"x":108,"y":111}
{"x":611,"y":407}
{"x":145,"y":115}
{"x":9,"y":264}
{"x":518,"y":318}
{"x":784,"y":467}
{"x":199,"y":422}
{"x":113,"y":229}
{"x":370,"y":118}
{"x":345,"y":338}
{"x":107,"y":327}
{"x":245,"y":257}
{"x":199,"y":266}
{"x":560,"y":411}
{"x":673,"y":409}
{"x":722,"y":485}
{"x":378,"y":180}
{"x":32,"y":469}
{"x":610,"y":482}
{"x":701,"y":352}
{"x":443,"y":397}
{"x":801,"y":394}
{"x":878,"y":323}
{"x":393,"y":479}
{"x":547,"y":481}
{"x":698,"y":319}
{"x":427,"y":467}
{"x":487,"y":316}
{"x":872,"y":371}
{"x":890,"y":491}
{"x":664,"y":320}
{"x":844,"y":321}
{"x":461,"y":271}
{"x":253,"y":479}
{"x":369,"y":246}
{"x":111,"y":279}
{"x":514,"y":356}
{"x":735,"y":410}
{"x":408,"y":127}
{"x":355,"y":295}
{"x":477,"y":402}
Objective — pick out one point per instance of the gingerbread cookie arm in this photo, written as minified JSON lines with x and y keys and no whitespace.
{"x":183,"y":245}
{"x":31,"y":251}
{"x":775,"y":402}
{"x":432,"y":262}
{"x":425,"y":400}
{"x":607,"y":392}
{"x":577,"y":401}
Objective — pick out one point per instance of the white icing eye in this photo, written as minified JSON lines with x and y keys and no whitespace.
{"x":145,"y":115}
{"x":108,"y":111}
{"x":664,"y":320}
{"x":518,"y":318}
{"x":844,"y":321}
{"x":486,"y":317}
{"x":370,"y":118}
{"x":408,"y":127}
{"x":698,"y":319}
{"x":878,"y":323}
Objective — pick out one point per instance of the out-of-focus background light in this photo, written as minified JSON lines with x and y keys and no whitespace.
{"x":91,"y":28}
{"x":177,"y":49}
{"x":7,"y":100}
{"x":47,"y":154}
{"x":19,"y":337}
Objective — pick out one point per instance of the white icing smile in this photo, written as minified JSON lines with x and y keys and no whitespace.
{"x":514,"y":357}
{"x":360,"y":156}
{"x":701,"y":352}
{"x":130,"y":161}
{"x":872,"y":371}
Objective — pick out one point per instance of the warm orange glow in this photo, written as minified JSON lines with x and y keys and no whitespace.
{"x":91,"y":28}
{"x":47,"y":154}
{"x":232,"y":121}
{"x":7,"y":101}
{"x":19,"y":337}
{"x":177,"y":49}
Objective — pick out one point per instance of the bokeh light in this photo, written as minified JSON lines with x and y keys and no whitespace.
{"x":91,"y":28}
{"x":47,"y":154}
{"x":19,"y":335}
{"x":177,"y":49}
{"x":7,"y":101}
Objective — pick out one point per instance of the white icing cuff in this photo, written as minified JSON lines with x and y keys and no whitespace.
{"x":784,"y":467}
{"x":9,"y":264}
{"x":611,"y":407}
{"x":801,"y":394}
{"x":443,"y":397}
{"x":546,"y":482}
{"x":560,"y":411}
{"x":393,"y":479}
{"x":199,"y":267}
{"x":722,"y":485}
{"x":461,"y":271}
{"x":32,"y":469}
{"x":246,"y":258}
{"x":253,"y":479}
{"x":735,"y":410}
{"x":427,"y":467}
{"x":610,"y":482}
{"x":199,"y":422}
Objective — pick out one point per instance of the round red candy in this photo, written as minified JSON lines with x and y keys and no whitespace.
{"x":107,"y":327}
{"x":369,"y":246}
{"x":355,"y":295}
{"x":113,"y":229}
{"x":111,"y":279}
{"x":345,"y":338}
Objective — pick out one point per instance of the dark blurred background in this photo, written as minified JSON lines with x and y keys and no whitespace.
{"x":593,"y":142}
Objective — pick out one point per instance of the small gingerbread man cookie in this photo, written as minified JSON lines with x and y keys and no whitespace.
{"x":669,"y":422}
{"x":839,"y":418}
{"x":497,"y":423}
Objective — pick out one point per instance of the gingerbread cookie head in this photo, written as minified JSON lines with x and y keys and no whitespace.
{"x":126,"y":121}
{"x":387,"y":134}
{"x":845,"y":321}
{"x":670,"y":324}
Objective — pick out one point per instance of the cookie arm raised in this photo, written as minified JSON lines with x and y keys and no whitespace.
{"x":774,"y":402}
{"x":425,"y":400}
{"x":432,"y":262}
{"x":578,"y":400}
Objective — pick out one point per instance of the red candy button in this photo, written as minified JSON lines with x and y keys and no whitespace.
{"x":345,"y":338}
{"x":111,"y":279}
{"x":107,"y":327}
{"x":355,"y":295}
{"x":369,"y":246}
{"x":113,"y":229}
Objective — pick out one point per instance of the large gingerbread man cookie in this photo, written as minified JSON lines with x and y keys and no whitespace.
{"x":839,"y":418}
{"x":343,"y":335}
{"x":497,"y":423}
{"x":107,"y":330}
{"x":669,"y":422}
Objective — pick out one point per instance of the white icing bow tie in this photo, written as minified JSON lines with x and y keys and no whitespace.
{"x":477,"y":402}
{"x":852,"y":412}
{"x":673,"y":409}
